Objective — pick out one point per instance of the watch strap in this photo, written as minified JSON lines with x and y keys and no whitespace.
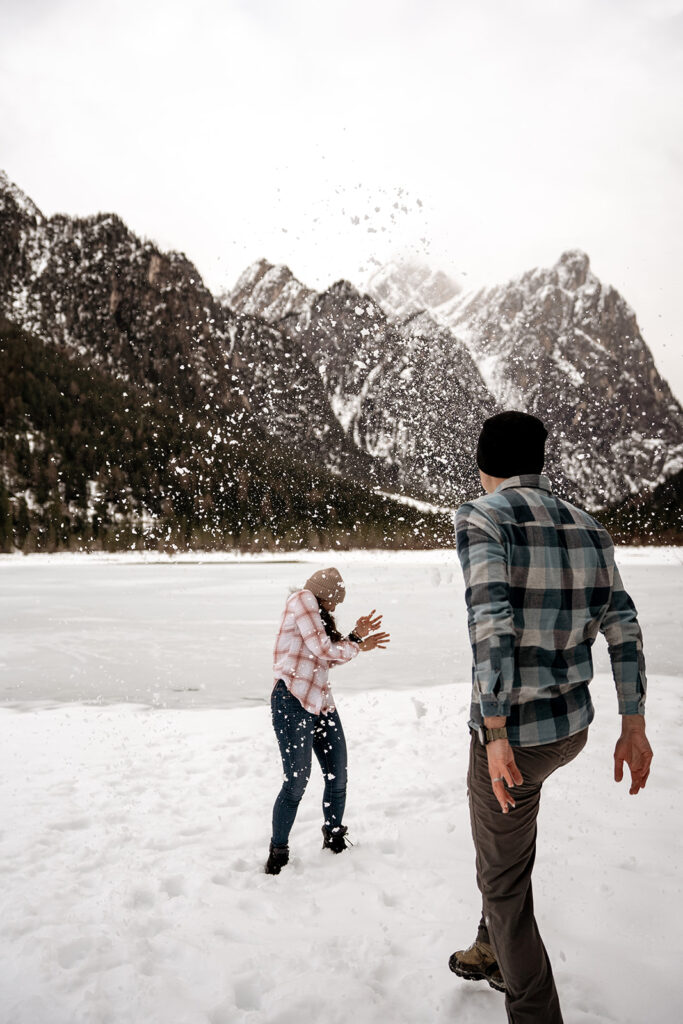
{"x":496,"y":734}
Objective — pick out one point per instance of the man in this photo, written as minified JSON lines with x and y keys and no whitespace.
{"x":540,"y":584}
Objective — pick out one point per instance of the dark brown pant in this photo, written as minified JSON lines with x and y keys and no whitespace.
{"x":505,"y":846}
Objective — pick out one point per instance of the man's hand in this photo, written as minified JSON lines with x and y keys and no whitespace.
{"x":502,"y":767}
{"x":367,"y":623}
{"x":633,"y":747}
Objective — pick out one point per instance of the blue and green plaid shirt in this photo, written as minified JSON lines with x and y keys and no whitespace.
{"x":540,"y":583}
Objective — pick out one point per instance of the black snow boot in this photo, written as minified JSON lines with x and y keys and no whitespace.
{"x":278,"y":856}
{"x":335,"y":839}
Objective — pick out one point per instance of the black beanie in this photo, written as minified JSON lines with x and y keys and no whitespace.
{"x":511,"y":444}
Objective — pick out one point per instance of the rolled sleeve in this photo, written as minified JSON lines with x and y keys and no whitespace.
{"x":625,"y":644}
{"x":310,"y":625}
{"x":489,"y":611}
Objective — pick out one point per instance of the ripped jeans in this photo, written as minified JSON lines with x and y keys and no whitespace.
{"x":301,"y":734}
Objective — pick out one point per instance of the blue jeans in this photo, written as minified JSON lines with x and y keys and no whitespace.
{"x":300,"y":734}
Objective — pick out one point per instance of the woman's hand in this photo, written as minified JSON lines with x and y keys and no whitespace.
{"x":376,"y":640}
{"x":367,"y":623}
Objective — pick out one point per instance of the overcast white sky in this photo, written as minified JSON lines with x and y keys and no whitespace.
{"x":481,"y":136}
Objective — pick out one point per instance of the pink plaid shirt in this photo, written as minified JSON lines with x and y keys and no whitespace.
{"x":304,"y":653}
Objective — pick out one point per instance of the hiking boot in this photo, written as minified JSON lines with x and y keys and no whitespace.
{"x":278,"y":856}
{"x":335,"y":839}
{"x":478,"y":963}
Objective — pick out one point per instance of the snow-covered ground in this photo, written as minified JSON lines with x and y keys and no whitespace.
{"x":133,"y":835}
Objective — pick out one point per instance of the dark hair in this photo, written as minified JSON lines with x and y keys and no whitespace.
{"x":329,"y":624}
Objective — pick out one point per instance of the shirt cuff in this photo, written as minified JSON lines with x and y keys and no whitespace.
{"x":632,"y":706}
{"x":492,"y":707}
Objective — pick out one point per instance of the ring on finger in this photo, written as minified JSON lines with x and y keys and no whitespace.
{"x":501,"y":779}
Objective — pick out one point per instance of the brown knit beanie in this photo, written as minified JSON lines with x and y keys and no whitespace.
{"x":327,"y":585}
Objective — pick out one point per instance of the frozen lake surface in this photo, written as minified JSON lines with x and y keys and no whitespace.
{"x":199,"y":633}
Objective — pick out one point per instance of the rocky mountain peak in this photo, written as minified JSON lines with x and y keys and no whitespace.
{"x":348,"y":298}
{"x":247,"y":281}
{"x":403,"y":288}
{"x":268,"y":290}
{"x":572,"y":269}
{"x":12,"y":199}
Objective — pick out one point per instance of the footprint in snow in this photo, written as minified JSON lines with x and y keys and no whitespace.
{"x":141,"y":899}
{"x":174,"y":886}
{"x":241,"y":865}
{"x":195,"y":830}
{"x":72,"y":825}
{"x":420,"y":708}
{"x":223,"y":1014}
{"x":69,"y":954}
{"x":248,"y":993}
{"x":388,"y":845}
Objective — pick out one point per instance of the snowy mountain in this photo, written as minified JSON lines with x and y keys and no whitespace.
{"x":558,"y":343}
{"x":412,"y":389}
{"x":91,"y":286}
{"x":356,"y":397}
{"x":407,"y":394}
{"x":133,"y":330}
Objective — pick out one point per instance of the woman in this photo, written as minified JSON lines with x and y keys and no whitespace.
{"x":304,"y":715}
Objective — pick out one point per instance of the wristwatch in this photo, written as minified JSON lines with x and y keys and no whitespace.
{"x":353,"y":636}
{"x":489,"y":735}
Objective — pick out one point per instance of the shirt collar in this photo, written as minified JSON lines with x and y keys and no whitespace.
{"x":537,"y":480}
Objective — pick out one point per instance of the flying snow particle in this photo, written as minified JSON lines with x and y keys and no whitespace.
{"x":420,"y":708}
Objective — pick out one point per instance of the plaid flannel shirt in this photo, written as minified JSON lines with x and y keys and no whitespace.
{"x":540,"y":583}
{"x":304,"y":653}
